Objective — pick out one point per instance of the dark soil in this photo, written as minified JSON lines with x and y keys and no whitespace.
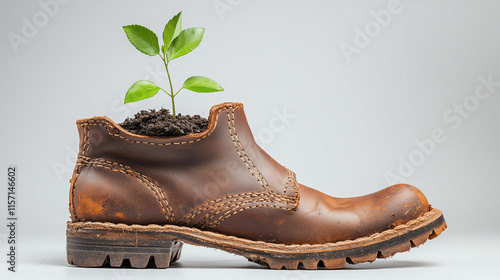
{"x":162,"y":123}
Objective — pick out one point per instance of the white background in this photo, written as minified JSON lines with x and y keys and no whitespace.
{"x":356,"y":117}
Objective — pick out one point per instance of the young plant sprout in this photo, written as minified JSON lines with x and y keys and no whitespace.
{"x":176,"y":43}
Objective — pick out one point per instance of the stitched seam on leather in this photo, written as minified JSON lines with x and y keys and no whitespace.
{"x":210,"y":222}
{"x":224,"y":201}
{"x":135,"y":227}
{"x":229,"y":213}
{"x":295,"y":187}
{"x":86,"y":144}
{"x":228,"y":204}
{"x":78,"y":168}
{"x":211,"y":203}
{"x":151,"y":183}
{"x":108,"y":127}
{"x":242,"y":153}
{"x":290,"y":180}
{"x":269,"y":197}
{"x":248,"y":162}
{"x":72,"y":195}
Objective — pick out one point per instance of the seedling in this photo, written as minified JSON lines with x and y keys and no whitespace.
{"x":176,"y":43}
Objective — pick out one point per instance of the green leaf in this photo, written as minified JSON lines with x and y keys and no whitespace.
{"x":141,"y":90}
{"x":187,"y":41}
{"x":143,"y":39}
{"x":172,"y":29}
{"x":201,"y":84}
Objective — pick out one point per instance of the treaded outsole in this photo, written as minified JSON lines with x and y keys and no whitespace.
{"x":370,"y":253}
{"x":117,"y":245}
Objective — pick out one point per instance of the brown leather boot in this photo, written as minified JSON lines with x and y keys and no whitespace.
{"x":139,"y":198}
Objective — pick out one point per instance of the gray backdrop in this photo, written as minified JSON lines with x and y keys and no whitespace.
{"x":350,"y":95}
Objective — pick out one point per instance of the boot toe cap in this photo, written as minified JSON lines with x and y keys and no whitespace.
{"x":403,"y":203}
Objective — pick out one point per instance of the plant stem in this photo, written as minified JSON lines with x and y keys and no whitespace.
{"x":166,"y":92}
{"x":178,"y":92}
{"x":170,"y":82}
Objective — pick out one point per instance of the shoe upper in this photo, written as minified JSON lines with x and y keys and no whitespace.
{"x":219,"y":180}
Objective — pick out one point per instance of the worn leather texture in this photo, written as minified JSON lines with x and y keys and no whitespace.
{"x":219,"y":180}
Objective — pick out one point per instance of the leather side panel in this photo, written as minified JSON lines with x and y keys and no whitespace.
{"x":275,"y":174}
{"x":191,"y":172}
{"x":104,"y":195}
{"x":323,"y":219}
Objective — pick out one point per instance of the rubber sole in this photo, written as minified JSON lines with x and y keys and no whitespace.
{"x":92,"y":244}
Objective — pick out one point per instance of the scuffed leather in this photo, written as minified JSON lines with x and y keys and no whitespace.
{"x":322,"y":219}
{"x":219,"y":180}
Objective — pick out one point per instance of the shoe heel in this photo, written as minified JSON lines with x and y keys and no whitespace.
{"x":98,"y":247}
